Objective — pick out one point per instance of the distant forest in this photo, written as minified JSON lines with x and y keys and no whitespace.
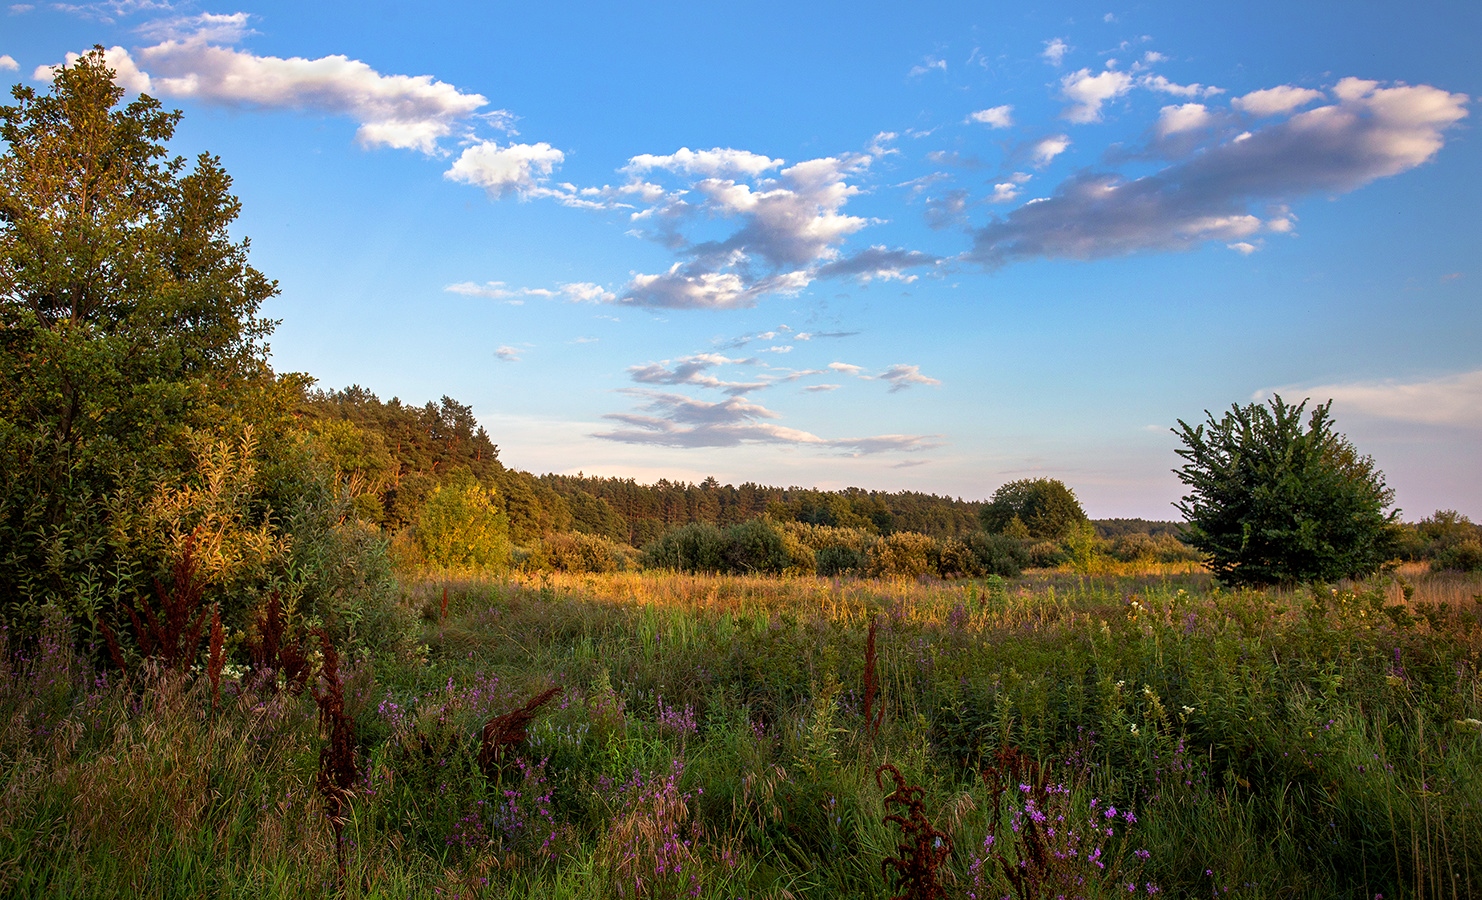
{"x":391,"y":455}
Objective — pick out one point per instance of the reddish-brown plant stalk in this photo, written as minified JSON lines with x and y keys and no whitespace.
{"x":217,"y":660}
{"x":505,"y":732}
{"x":443,"y":610}
{"x":874,"y":710}
{"x":272,"y":652}
{"x":114,"y":650}
{"x":174,"y":633}
{"x":923,"y":849}
{"x":337,"y":769}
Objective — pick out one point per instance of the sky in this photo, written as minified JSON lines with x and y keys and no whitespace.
{"x":929,"y":246}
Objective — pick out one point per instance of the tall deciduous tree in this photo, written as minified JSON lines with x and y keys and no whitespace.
{"x":128,"y":318}
{"x":1272,"y":501}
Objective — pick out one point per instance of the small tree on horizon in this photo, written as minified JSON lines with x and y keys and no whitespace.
{"x":1040,"y":509}
{"x":1274,"y":502}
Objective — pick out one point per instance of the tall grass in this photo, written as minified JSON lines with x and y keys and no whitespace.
{"x":712,"y":739}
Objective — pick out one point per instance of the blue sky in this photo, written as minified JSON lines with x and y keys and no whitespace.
{"x":929,"y":246}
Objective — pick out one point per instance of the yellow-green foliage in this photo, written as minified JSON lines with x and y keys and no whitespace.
{"x":462,"y":527}
{"x":576,"y":552}
{"x":220,"y":506}
{"x":904,"y":553}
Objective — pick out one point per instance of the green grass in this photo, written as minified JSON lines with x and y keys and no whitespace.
{"x":710,"y":742}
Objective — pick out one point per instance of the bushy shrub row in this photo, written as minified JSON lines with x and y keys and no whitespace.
{"x":1448,"y":540}
{"x":763,"y":546}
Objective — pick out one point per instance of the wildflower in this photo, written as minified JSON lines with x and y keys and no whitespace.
{"x":1188,"y":710}
{"x":1134,"y":728}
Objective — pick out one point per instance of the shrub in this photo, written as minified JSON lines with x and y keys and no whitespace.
{"x":838,"y":559}
{"x":904,"y":553}
{"x":755,"y":546}
{"x":576,"y":552}
{"x":997,"y":554}
{"x":461,"y":527}
{"x":700,"y":547}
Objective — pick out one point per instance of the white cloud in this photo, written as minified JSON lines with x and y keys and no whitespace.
{"x":516,"y":168}
{"x":788,"y":227}
{"x":1244,"y":248}
{"x":507,"y":353}
{"x":393,"y":110}
{"x":1048,"y":149}
{"x":1087,"y":93}
{"x":1276,"y":101}
{"x":1004,"y":192}
{"x":846,"y":368}
{"x":1163,"y":85}
{"x":994,"y":116}
{"x":822,"y":388}
{"x":18,"y":8}
{"x":1184,"y":117}
{"x":1055,"y":50}
{"x":719,"y":162}
{"x":1370,"y":132}
{"x":1450,"y":400}
{"x":8,"y":64}
{"x":903,"y":376}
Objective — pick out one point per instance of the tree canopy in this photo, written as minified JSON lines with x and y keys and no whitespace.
{"x":1272,"y":501}
{"x":128,"y":322}
{"x":1043,"y":508}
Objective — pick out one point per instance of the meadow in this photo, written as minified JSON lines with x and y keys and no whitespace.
{"x":724,"y":736}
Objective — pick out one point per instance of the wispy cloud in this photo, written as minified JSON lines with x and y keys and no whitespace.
{"x":576,"y":292}
{"x":674,"y":420}
{"x":8,"y":63}
{"x":507,"y":353}
{"x":902,"y":376}
{"x":930,"y":64}
{"x":1221,"y":193}
{"x":1449,"y":400}
{"x":695,"y":370}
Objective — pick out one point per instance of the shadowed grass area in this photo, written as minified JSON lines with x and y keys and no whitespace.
{"x":1071,"y":735}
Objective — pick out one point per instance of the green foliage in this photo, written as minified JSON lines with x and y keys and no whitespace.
{"x":1448,"y":540}
{"x":839,"y":559}
{"x":578,"y":553}
{"x":749,"y":547}
{"x":461,"y":527}
{"x":1272,"y":501}
{"x":689,"y":548}
{"x":1045,"y":509}
{"x":137,"y":409}
{"x":903,"y":554}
